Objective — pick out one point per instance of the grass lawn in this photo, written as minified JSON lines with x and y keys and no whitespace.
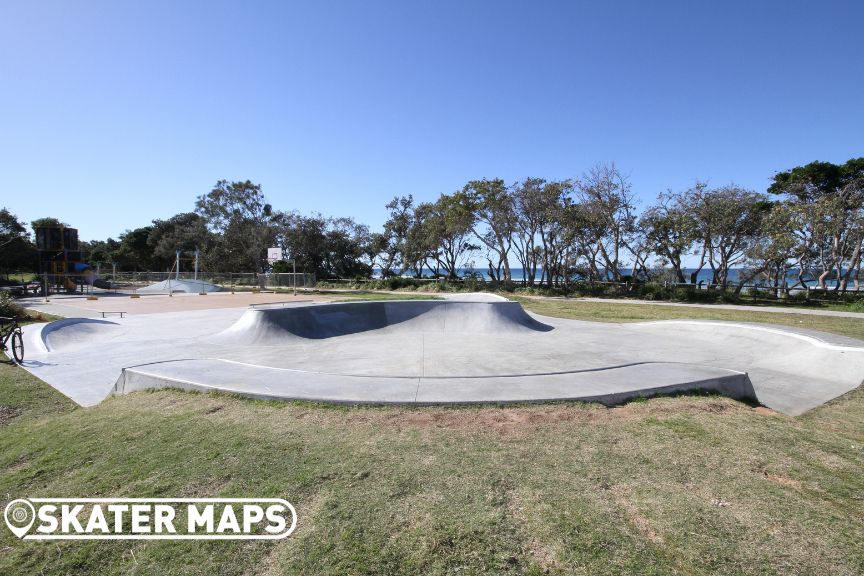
{"x":687,"y":485}
{"x":355,"y":296}
{"x":620,"y":312}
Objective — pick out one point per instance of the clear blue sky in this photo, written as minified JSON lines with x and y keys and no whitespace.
{"x":117,"y":112}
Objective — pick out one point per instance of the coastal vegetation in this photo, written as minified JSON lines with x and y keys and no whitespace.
{"x":806,"y":231}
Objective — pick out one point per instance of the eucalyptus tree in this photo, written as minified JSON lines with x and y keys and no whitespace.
{"x":530,"y":208}
{"x":419,"y":249}
{"x":729,"y":221}
{"x":450,"y":227}
{"x":608,"y":197}
{"x":494,"y":222}
{"x":390,"y":245}
{"x":555,"y":229}
{"x":671,"y":228}
{"x":245,"y":223}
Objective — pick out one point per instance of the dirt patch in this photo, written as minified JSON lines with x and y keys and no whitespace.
{"x":502,"y":420}
{"x":674,"y":406}
{"x":7,"y":414}
{"x":509,"y":420}
{"x":783,"y":480}
{"x":768,"y":412}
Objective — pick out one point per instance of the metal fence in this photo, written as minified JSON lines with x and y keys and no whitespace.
{"x":131,"y":282}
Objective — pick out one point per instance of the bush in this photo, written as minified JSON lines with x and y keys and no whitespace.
{"x":9,"y":308}
{"x":654,"y":291}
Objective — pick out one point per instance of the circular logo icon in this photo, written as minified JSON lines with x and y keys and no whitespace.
{"x":19,"y":515}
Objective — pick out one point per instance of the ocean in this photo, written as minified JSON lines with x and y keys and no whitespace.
{"x":704,"y":276}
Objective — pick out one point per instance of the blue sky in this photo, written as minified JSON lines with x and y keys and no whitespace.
{"x":115,"y":113}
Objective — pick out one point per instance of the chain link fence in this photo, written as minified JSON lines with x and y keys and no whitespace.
{"x":132,"y":282}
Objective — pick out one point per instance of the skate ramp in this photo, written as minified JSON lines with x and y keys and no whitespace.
{"x":425,"y":351}
{"x":182,"y":286}
{"x":75,"y":333}
{"x":271,"y":326}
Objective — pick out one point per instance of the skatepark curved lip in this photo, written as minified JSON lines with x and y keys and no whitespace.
{"x":317,"y":321}
{"x":445,"y":352}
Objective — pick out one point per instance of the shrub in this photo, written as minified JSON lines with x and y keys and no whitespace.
{"x":9,"y":308}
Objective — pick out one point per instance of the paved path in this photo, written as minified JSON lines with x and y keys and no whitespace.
{"x":771,"y":309}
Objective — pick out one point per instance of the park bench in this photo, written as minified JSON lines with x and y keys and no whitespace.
{"x":104,"y":312}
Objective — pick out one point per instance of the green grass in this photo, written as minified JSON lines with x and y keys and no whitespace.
{"x":374,"y":296}
{"x":623,"y":312}
{"x":21,"y":277}
{"x":688,"y":485}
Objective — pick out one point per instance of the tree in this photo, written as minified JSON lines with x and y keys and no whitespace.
{"x":820,"y":179}
{"x":608,"y":197}
{"x":97,"y":252}
{"x":329,"y":247}
{"x":777,"y":249}
{"x":494,"y":213}
{"x":728,"y":222}
{"x":671,"y":229}
{"x":420,"y":248}
{"x":389,"y":246}
{"x":17,"y":252}
{"x":831,"y":199}
{"x":348,"y":251}
{"x":134,"y":252}
{"x":530,"y":212}
{"x":304,"y":239}
{"x":449,"y":228}
{"x":553,"y":227}
{"x":185,"y":232}
{"x":244,"y":222}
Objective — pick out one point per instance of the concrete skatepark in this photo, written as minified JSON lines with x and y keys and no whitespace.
{"x":466,"y":349}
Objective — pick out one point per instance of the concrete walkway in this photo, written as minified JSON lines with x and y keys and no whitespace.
{"x":772,"y":309}
{"x":474,"y":350}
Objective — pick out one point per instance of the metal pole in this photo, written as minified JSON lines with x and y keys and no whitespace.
{"x":177,"y":264}
{"x":294,"y":275}
{"x":196,"y":263}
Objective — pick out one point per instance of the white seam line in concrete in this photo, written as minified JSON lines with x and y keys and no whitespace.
{"x":809,"y":339}
{"x":380,"y":376}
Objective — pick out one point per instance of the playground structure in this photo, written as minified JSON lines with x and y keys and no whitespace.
{"x":60,"y":265}
{"x":62,"y":269}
